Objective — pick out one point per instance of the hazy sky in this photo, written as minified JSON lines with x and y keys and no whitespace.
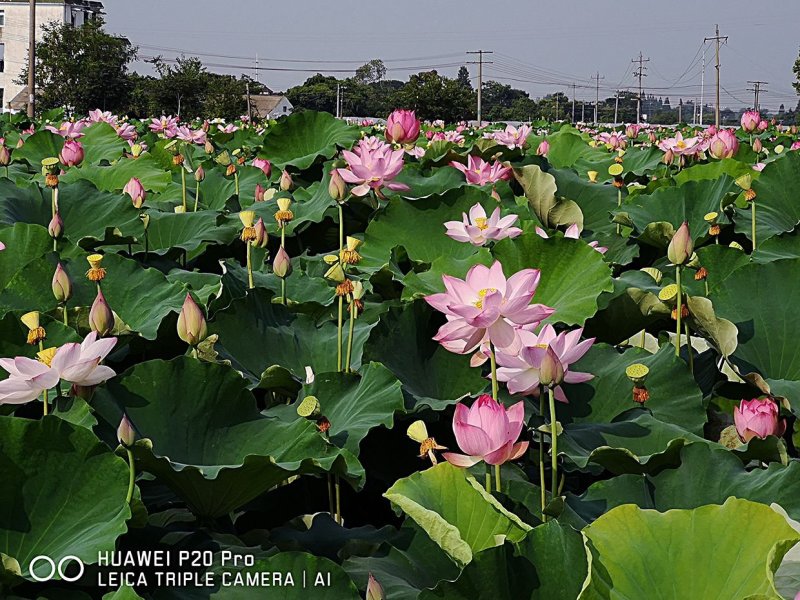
{"x":539,"y":46}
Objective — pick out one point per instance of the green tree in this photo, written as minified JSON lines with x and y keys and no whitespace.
{"x":463,"y":77}
{"x":436,"y":97}
{"x":371,"y":72}
{"x":81,"y":68}
{"x":318,"y":92}
{"x":181,"y":87}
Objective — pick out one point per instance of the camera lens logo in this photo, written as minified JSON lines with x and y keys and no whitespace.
{"x":61,"y":568}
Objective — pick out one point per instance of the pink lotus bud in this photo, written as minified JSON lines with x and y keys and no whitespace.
{"x":712,"y":130}
{"x":286,"y":181}
{"x":724,"y":144}
{"x":543,"y":149}
{"x":374,"y":589}
{"x":429,"y":134}
{"x":551,"y":371}
{"x":20,"y":143}
{"x":750,"y":120}
{"x":758,"y":418}
{"x":282,"y":265}
{"x":795,"y":145}
{"x":763,"y":125}
{"x":5,"y":156}
{"x":259,"y":193}
{"x":632,"y":131}
{"x":62,"y":285}
{"x":402,"y":127}
{"x":651,"y":137}
{"x":101,"y":319}
{"x":56,"y":226}
{"x":669,"y":156}
{"x":199,"y":173}
{"x":71,"y":154}
{"x":680,"y":246}
{"x":262,"y":239}
{"x":192,"y":327}
{"x":337,"y":188}
{"x":758,"y":146}
{"x":263,"y":164}
{"x":126,"y":436}
{"x":135,"y":190}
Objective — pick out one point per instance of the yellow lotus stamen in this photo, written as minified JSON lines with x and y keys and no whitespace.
{"x":481,"y":295}
{"x":482,"y":223}
{"x":345,"y":288}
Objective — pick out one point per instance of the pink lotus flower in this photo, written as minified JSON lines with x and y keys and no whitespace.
{"x":168,"y":126}
{"x":68,"y":129}
{"x":680,"y":146}
{"x":750,"y":120}
{"x":2,"y":246}
{"x":71,"y":154}
{"x":477,"y":229}
{"x":80,"y":363}
{"x":27,"y":379}
{"x":402,"y":127}
{"x":480,"y":172}
{"x":759,"y":166}
{"x":194,"y":136}
{"x":632,"y":131}
{"x":264,"y":165}
{"x":487,"y":431}
{"x":373,"y":168}
{"x":487,"y":307}
{"x":758,"y":418}
{"x":724,"y":144}
{"x":795,"y":145}
{"x":511,"y":136}
{"x":573,"y":232}
{"x":763,"y":125}
{"x":520,"y":370}
{"x":613,"y":140}
{"x":127,"y":132}
{"x":99,"y":116}
{"x":229,"y":128}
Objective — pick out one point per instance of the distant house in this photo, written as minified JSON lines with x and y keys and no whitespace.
{"x":14,"y":25}
{"x":270,"y":106}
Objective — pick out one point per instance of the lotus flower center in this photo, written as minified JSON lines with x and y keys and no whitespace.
{"x":481,"y":223}
{"x":481,"y":295}
{"x":681,"y":145}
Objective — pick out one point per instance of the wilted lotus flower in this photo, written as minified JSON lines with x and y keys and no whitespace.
{"x":136,"y":191}
{"x":487,"y":431}
{"x":263,"y":164}
{"x":680,"y":246}
{"x":402,"y":127}
{"x":192,"y":327}
{"x":724,"y":144}
{"x":101,"y":319}
{"x":282,"y":265}
{"x":750,"y":120}
{"x":758,"y":418}
{"x":80,"y":363}
{"x":543,"y":148}
{"x":477,"y":229}
{"x":61,"y":285}
{"x":71,"y":154}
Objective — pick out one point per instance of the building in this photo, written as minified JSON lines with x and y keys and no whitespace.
{"x":270,"y":106}
{"x":14,"y":28}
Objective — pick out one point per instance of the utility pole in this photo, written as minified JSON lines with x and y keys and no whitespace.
{"x":480,"y":62}
{"x":597,"y":79}
{"x":338,"y":100}
{"x":756,"y":89}
{"x":32,"y":61}
{"x":680,"y":111}
{"x":717,"y":38}
{"x":702,"y":86}
{"x":249,"y":105}
{"x":639,"y":73}
{"x":573,"y":102}
{"x":556,"y":106}
{"x":583,"y":111}
{"x":616,"y":108}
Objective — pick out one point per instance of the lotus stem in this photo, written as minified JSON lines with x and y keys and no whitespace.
{"x":339,"y":335}
{"x":331,"y":506}
{"x":753,"y":225}
{"x":236,"y":183}
{"x":554,"y":438}
{"x":341,"y":228}
{"x":66,"y":314}
{"x":541,"y":457}
{"x":350,"y":336}
{"x":283,"y":279}
{"x":196,"y":195}
{"x":488,"y":479}
{"x":493,"y":359}
{"x":250,"y":265}
{"x":619,"y":205}
{"x":497,"y":478}
{"x":339,"y":519}
{"x":44,"y":398}
{"x":183,"y":188}
{"x":680,"y":308}
{"x":689,"y":348}
{"x":131,"y":476}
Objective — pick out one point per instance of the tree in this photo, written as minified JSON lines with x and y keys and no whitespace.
{"x":463,"y":77}
{"x":81,"y":68}
{"x":318,"y":92}
{"x":436,"y":97}
{"x":371,"y":72}
{"x":181,"y":86}
{"x":796,"y":71}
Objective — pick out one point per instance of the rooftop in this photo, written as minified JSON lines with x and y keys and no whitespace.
{"x":83,"y":3}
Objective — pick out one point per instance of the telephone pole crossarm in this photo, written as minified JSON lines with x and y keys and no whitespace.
{"x":480,"y":62}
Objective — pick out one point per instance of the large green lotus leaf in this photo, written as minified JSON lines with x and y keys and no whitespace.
{"x":290,"y":341}
{"x":301,"y":138}
{"x":603,"y":495}
{"x":301,"y":286}
{"x":311,"y":205}
{"x":674,"y":395}
{"x":189,"y":231}
{"x":455,"y":511}
{"x":24,"y":202}
{"x":689,"y":202}
{"x":40,"y":145}
{"x":423,"y":184}
{"x":355,"y":404}
{"x":573,"y":275}
{"x":63,"y":492}
{"x":405,"y":565}
{"x":90,"y":213}
{"x":777,"y":210}
{"x":204,"y":285}
{"x":217,"y":187}
{"x":207,"y":439}
{"x":778,"y":247}
{"x":756,"y":299}
{"x":720,"y":261}
{"x":114,"y":177}
{"x":24,"y":244}
{"x":540,"y":189}
{"x":596,"y":201}
{"x":123,"y":593}
{"x":714,"y":170}
{"x":101,"y":143}
{"x":432,"y":376}
{"x":417,"y":285}
{"x":665,"y":556}
{"x":418,"y":226}
{"x":567,"y":147}
{"x":637,"y":160}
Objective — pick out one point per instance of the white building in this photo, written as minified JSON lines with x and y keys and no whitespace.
{"x":270,"y":106}
{"x":14,"y":29}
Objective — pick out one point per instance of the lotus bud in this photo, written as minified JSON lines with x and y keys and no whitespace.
{"x":651,"y":137}
{"x":337,"y":188}
{"x":282,"y":265}
{"x":262,"y":239}
{"x":543,"y":148}
{"x":192,"y":327}
{"x":551,"y":371}
{"x":758,"y":146}
{"x":136,"y":191}
{"x":264,"y":165}
{"x":199,"y":173}
{"x":209,"y":148}
{"x":758,"y":418}
{"x":56,"y":226}
{"x":374,"y":589}
{"x":681,"y":246}
{"x":5,"y":156}
{"x":36,"y":332}
{"x":496,"y":195}
{"x":750,"y":120}
{"x":669,"y":156}
{"x":61,"y":285}
{"x":309,"y":408}
{"x":101,"y":319}
{"x":71,"y":154}
{"x":126,"y":436}
{"x":259,"y":193}
{"x":286,"y":183}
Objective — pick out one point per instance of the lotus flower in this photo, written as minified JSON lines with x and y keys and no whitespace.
{"x":480,"y":172}
{"x":68,"y":129}
{"x":543,"y":148}
{"x":190,"y":135}
{"x":136,"y":191}
{"x":127,"y":132}
{"x":80,"y":363}
{"x":28,"y":378}
{"x":724,"y":144}
{"x":373,"y":169}
{"x":512,"y":137}
{"x":613,"y":140}
{"x":477,"y":229}
{"x":758,"y":418}
{"x":263,"y":164}
{"x":574,"y":232}
{"x":402,"y":127}
{"x":632,"y":131}
{"x":680,"y":246}
{"x":750,"y":120}
{"x":680,"y":146}
{"x":487,"y":431}
{"x":71,"y":154}
{"x":192,"y":327}
{"x":487,"y":307}
{"x":167,"y":126}
{"x":520,"y":370}
{"x":99,"y":116}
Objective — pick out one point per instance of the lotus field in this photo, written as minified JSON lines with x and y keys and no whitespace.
{"x":315,"y":359}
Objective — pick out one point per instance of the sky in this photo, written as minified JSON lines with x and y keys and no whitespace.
{"x":541,"y":46}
